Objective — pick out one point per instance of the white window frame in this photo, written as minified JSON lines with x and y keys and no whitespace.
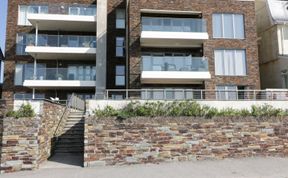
{"x":233,"y":24}
{"x":228,"y":73}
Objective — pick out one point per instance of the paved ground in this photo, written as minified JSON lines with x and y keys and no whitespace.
{"x":243,"y":168}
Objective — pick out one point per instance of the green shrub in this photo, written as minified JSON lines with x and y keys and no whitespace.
{"x":25,"y":110}
{"x":186,"y":108}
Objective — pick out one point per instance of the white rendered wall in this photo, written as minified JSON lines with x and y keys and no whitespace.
{"x":37,"y":105}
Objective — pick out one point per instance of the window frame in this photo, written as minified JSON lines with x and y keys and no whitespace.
{"x":120,"y":75}
{"x":119,"y":19}
{"x":120,"y":46}
{"x":234,"y":59}
{"x":223,"y":26}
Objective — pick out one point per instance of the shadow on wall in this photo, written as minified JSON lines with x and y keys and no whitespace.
{"x":68,"y":148}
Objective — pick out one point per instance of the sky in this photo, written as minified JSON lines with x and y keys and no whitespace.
{"x":3,"y":18}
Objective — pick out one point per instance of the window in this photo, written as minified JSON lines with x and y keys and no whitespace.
{"x":120,"y":18}
{"x":120,"y":76}
{"x":25,"y":10}
{"x":120,"y":46}
{"x":228,"y":26}
{"x":230,"y":62}
{"x":23,"y":40}
{"x":226,"y":92}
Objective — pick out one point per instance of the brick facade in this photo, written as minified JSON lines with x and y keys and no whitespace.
{"x":11,"y":33}
{"x":207,"y":8}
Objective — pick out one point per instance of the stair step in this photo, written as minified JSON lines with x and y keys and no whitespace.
{"x":75,"y":116}
{"x":69,"y":151}
{"x":71,"y":132}
{"x":70,"y":141}
{"x":69,"y":146}
{"x":74,"y":125}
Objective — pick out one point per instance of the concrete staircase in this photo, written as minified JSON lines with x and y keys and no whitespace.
{"x":72,"y":139}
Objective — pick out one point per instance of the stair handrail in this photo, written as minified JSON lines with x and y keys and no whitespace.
{"x":74,"y":102}
{"x":67,"y":108}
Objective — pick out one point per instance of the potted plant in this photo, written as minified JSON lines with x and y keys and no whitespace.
{"x":59,"y":76}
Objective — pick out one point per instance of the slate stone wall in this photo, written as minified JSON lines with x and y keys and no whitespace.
{"x":154,"y":140}
{"x":27,"y":142}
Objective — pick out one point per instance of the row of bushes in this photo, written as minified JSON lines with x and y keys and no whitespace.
{"x":25,"y":110}
{"x":190,"y":109}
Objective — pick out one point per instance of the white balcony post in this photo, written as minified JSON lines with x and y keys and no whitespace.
{"x":35,"y":69}
{"x":33,"y":93}
{"x":36,"y":37}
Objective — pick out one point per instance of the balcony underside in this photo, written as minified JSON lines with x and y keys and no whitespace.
{"x":59,"y":84}
{"x":172,"y":77}
{"x":63,"y":22}
{"x":64,"y":53}
{"x":173,"y":39}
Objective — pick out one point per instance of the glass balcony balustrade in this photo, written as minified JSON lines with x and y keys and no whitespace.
{"x":173,"y":24}
{"x":64,"y":9}
{"x":62,"y":41}
{"x":174,"y":63}
{"x":83,"y":73}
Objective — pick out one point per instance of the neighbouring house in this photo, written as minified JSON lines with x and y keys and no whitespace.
{"x":272,"y":29}
{"x":159,"y":48}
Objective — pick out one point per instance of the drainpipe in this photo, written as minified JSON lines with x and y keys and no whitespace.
{"x":127,"y":47}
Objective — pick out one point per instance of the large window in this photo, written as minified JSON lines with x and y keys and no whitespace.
{"x":120,"y":76}
{"x":120,"y":18}
{"x":120,"y":46}
{"x":228,"y":26}
{"x":230,"y":62}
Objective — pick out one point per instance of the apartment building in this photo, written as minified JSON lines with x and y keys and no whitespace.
{"x":272,"y":29}
{"x":55,"y":48}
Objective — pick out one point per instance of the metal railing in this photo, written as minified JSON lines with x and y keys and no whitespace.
{"x":167,"y":24}
{"x":191,"y":94}
{"x":64,"y":9}
{"x":76,"y":102}
{"x":174,"y":63}
{"x":73,"y":103}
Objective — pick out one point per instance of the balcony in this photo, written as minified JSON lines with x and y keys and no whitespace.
{"x":61,"y":77}
{"x":62,"y":47}
{"x":173,"y":32}
{"x":66,"y":17}
{"x":174,"y":70}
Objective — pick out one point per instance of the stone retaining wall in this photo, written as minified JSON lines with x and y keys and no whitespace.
{"x":27,"y":142}
{"x":154,"y":140}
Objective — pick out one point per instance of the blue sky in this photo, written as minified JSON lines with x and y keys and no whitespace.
{"x":3,"y":17}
